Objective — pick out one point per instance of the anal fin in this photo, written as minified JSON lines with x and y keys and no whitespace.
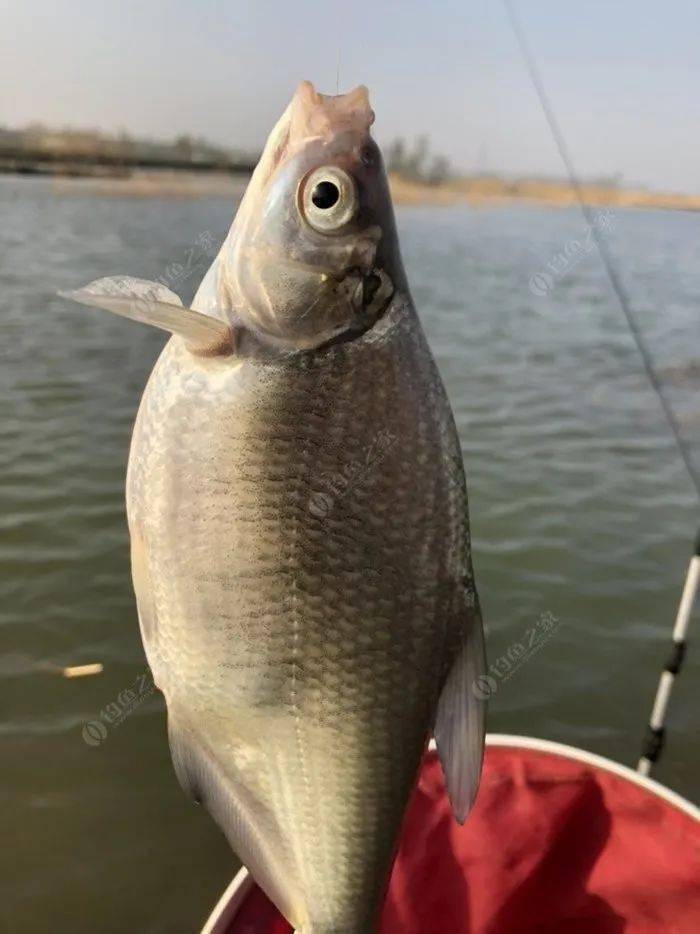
{"x":237,"y":800}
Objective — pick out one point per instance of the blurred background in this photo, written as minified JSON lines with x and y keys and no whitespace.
{"x":126,"y":135}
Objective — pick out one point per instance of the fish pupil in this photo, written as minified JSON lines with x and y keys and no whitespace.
{"x":325,"y":195}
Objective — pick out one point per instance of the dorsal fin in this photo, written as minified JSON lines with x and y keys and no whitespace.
{"x":153,"y":303}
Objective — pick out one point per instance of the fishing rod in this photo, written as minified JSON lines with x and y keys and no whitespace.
{"x":655,"y":735}
{"x":654,"y":738}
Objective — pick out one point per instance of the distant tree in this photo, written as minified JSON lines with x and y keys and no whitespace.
{"x":414,"y":164}
{"x":125,"y":143}
{"x":439,"y":171}
{"x":396,"y":156}
{"x":184,"y":146}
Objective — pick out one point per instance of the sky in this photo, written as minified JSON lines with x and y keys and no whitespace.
{"x":623,"y":77}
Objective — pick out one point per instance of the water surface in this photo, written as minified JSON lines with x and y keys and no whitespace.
{"x":581,"y":514}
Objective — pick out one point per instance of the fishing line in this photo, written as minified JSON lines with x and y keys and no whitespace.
{"x":655,"y":736}
{"x":601,"y":244}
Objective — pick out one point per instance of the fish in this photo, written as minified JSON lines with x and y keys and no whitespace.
{"x":299,"y":528}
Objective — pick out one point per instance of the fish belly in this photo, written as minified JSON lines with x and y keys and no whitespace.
{"x":300,"y":558}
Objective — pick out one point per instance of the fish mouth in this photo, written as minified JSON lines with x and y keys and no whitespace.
{"x":326,"y":115}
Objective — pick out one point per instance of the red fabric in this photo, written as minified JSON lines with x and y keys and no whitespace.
{"x":551,"y":845}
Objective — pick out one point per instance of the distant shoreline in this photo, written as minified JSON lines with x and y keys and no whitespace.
{"x":168,"y":181}
{"x":489,"y":190}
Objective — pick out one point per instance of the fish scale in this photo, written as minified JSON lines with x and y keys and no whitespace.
{"x":299,"y":529}
{"x":346,"y":706}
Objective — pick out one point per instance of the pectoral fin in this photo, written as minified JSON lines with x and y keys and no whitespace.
{"x":459,"y":725}
{"x":155,"y":304}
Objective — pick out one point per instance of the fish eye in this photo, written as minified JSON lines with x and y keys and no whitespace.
{"x":325,"y":195}
{"x":328,"y":199}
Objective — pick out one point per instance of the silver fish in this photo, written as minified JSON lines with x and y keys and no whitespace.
{"x":299,"y":529}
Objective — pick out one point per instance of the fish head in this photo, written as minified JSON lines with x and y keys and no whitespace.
{"x":313,"y":254}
